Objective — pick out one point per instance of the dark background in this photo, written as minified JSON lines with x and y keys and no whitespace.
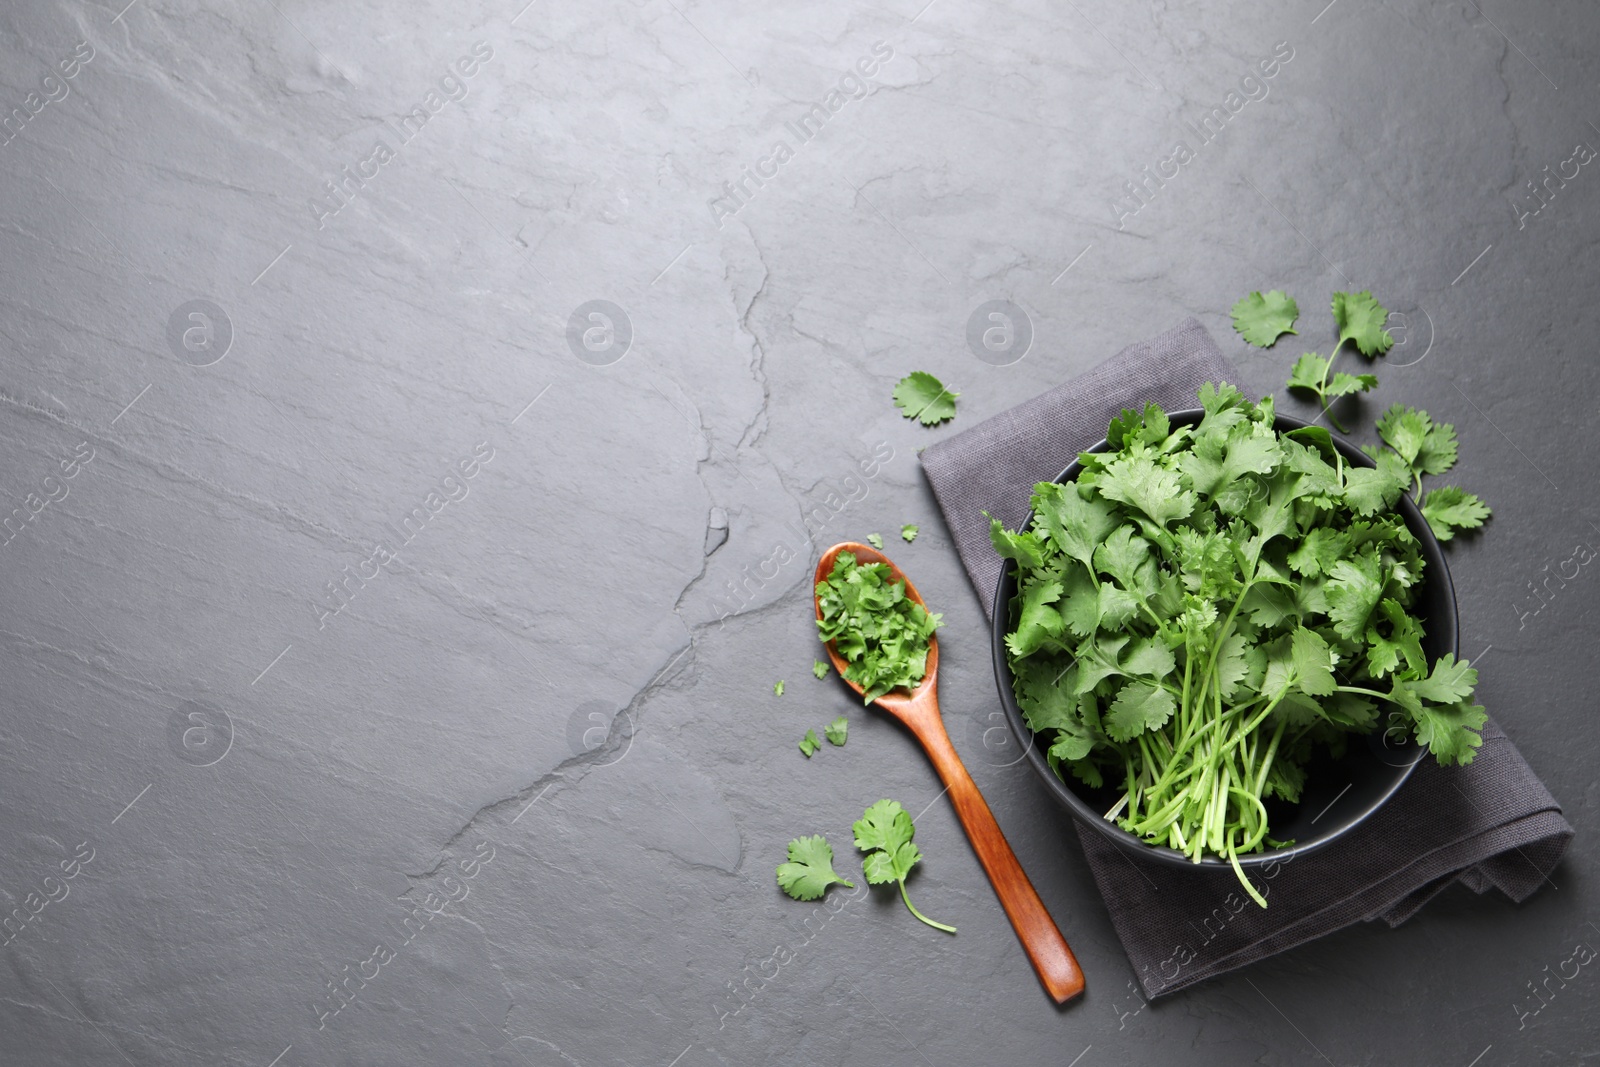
{"x":301,"y":780}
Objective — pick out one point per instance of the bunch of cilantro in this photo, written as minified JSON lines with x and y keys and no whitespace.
{"x":1204,"y":606}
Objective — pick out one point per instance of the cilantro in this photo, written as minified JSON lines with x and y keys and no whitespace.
{"x":1310,"y":373}
{"x":1207,"y":606}
{"x":809,"y":872}
{"x":837,"y":731}
{"x":876,"y":541}
{"x":1360,"y":318}
{"x":884,"y":832}
{"x":881,"y":633}
{"x":1416,"y":445}
{"x":919,"y":395}
{"x":777,"y":688}
{"x":908,"y":532}
{"x":1261,"y":320}
{"x":819,"y":668}
{"x":809,"y":743}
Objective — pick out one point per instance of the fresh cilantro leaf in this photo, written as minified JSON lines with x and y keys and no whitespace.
{"x":1310,"y":371}
{"x":1345,"y":384}
{"x":884,"y":832}
{"x":908,"y":532}
{"x":1312,"y":662}
{"x":1145,"y":485}
{"x":1405,"y":430}
{"x":837,"y":731}
{"x":880,"y":631}
{"x":777,"y":688}
{"x":919,"y":395}
{"x":1452,"y":732}
{"x":1360,"y":318}
{"x":1353,"y":591}
{"x":1262,"y":318}
{"x":876,"y":541}
{"x":1449,"y":508}
{"x":1438,"y":451}
{"x":819,"y":668}
{"x":809,"y":743}
{"x":809,"y":872}
{"x":1140,"y":706}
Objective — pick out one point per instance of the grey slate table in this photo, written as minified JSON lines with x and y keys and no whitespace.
{"x":390,"y":629}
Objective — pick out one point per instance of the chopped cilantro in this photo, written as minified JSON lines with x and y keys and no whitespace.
{"x":777,"y":687}
{"x":819,"y":668}
{"x":884,"y":833}
{"x":881,"y":633}
{"x":837,"y":731}
{"x":809,"y":743}
{"x":876,"y":541}
{"x":919,"y":395}
{"x":908,"y":532}
{"x":1207,"y":606}
{"x":1262,"y":319}
{"x":809,"y":872}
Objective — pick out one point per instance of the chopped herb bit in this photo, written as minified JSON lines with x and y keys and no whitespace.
{"x":908,"y":532}
{"x":819,"y":668}
{"x":876,"y":541}
{"x":809,"y":743}
{"x":837,"y":730}
{"x":777,"y":687}
{"x":881,"y":633}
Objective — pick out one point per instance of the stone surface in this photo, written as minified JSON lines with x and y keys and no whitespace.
{"x":523,"y":791}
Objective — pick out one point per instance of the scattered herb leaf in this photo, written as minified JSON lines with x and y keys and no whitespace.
{"x":1263,"y":318}
{"x":809,"y":743}
{"x":809,"y":872}
{"x":837,"y":731}
{"x":919,"y":395}
{"x":908,"y":532}
{"x":876,"y":541}
{"x":819,"y":668}
{"x":1360,"y":318}
{"x":884,"y":833}
{"x":777,"y":688}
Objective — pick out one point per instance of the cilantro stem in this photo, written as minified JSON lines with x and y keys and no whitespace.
{"x":1322,"y":395}
{"x":918,"y":914}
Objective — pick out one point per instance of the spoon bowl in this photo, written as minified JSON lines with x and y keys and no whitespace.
{"x":918,"y":709}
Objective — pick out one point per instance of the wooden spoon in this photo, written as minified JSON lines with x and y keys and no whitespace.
{"x":1047,"y":950}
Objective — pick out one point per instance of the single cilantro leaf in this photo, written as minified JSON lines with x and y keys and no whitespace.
{"x":1039,"y":622}
{"x":1141,"y":483}
{"x":1309,"y":372}
{"x":1450,"y":508}
{"x":1405,"y":430}
{"x":919,"y":395}
{"x":1451,"y":680}
{"x":1139,"y":706}
{"x":837,"y":731}
{"x":809,"y":872}
{"x":1353,"y":590}
{"x":819,"y":668}
{"x":777,"y":688}
{"x":1263,"y":318}
{"x":1070,"y":522}
{"x":809,"y":743}
{"x":1312,"y":662}
{"x":1438,"y":451}
{"x":1024,"y":547}
{"x":876,"y":541}
{"x":884,"y":832}
{"x":1451,"y":731}
{"x":1360,"y":318}
{"x":1369,"y":491}
{"x":908,"y":532}
{"x":1344,"y":384}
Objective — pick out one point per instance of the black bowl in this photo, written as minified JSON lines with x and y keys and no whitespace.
{"x":1339,"y":794}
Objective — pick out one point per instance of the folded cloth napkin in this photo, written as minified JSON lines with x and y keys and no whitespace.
{"x":1491,"y":823}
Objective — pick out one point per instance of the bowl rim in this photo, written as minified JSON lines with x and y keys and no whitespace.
{"x":1437,"y":570}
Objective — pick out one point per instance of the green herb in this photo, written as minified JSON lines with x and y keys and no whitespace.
{"x":884,"y":832}
{"x":1416,"y":445}
{"x":777,"y":688}
{"x":876,"y":541}
{"x":819,"y":668}
{"x":1310,"y":373}
{"x":1261,"y":320}
{"x":919,"y":395}
{"x":809,"y":744}
{"x":1206,"y":606}
{"x":908,"y":532}
{"x":809,"y":872}
{"x":837,"y":730}
{"x":1360,"y":318}
{"x":881,"y":633}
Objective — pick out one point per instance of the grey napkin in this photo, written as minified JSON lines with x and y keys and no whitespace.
{"x":1491,"y":823}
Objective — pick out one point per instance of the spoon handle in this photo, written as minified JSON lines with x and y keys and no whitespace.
{"x":1047,"y":950}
